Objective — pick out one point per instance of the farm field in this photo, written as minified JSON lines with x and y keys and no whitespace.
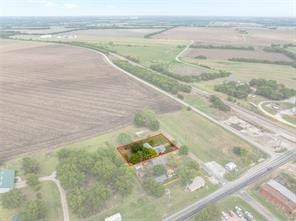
{"x":75,"y":95}
{"x":225,"y":54}
{"x":221,"y":35}
{"x":107,"y":33}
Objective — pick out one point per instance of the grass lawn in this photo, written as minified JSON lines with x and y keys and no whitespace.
{"x":231,"y":202}
{"x":206,"y":140}
{"x":246,"y":71}
{"x":277,"y":212}
{"x":204,"y":105}
{"x":290,"y":119}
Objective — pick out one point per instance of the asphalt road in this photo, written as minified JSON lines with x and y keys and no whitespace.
{"x":232,"y":187}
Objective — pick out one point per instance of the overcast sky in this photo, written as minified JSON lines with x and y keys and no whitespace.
{"x":274,"y":8}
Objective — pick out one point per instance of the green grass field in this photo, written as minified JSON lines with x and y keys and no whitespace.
{"x":231,"y":202}
{"x":247,"y":71}
{"x":206,"y":140}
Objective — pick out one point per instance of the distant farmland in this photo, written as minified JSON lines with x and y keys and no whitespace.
{"x":54,"y":94}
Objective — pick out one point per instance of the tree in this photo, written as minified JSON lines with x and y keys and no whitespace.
{"x":183,"y":150}
{"x":153,"y":188}
{"x":159,"y":170}
{"x":139,"y":120}
{"x":12,"y":199}
{"x":34,"y":211}
{"x":124,"y":138}
{"x":209,"y":213}
{"x":32,"y":179}
{"x":188,"y":171}
{"x":242,"y":152}
{"x":30,"y":165}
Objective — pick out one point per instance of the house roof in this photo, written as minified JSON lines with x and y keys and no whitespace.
{"x":115,"y":217}
{"x":160,"y":148}
{"x":197,"y":183}
{"x":7,"y":178}
{"x":161,"y":178}
{"x":283,"y":190}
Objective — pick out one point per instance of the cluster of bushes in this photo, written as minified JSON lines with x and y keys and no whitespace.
{"x":212,"y":76}
{"x":153,"y":188}
{"x":201,"y":57}
{"x":139,"y":153}
{"x":234,"y":89}
{"x":210,"y":213}
{"x":254,"y":60}
{"x":230,"y":47}
{"x":239,"y":151}
{"x":219,"y":104}
{"x":271,"y":89}
{"x":91,"y":178}
{"x":146,"y":118}
{"x":32,"y":210}
{"x":161,"y":81}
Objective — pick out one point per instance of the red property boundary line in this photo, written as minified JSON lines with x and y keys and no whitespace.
{"x":119,"y":148}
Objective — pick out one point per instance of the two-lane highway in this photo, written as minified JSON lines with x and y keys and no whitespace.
{"x":232,"y":187}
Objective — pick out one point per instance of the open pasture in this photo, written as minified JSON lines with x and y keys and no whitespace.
{"x":56,"y":94}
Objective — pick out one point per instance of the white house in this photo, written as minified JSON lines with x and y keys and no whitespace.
{"x":115,"y":217}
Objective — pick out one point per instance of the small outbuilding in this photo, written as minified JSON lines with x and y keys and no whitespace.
{"x":196,"y":184}
{"x":115,"y":217}
{"x":160,"y":149}
{"x":6,"y":180}
{"x":230,"y":166}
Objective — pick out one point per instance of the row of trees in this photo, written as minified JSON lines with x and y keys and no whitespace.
{"x":164,"y":82}
{"x":206,"y":76}
{"x":254,"y":60}
{"x":230,"y":47}
{"x":91,"y":178}
{"x":271,"y":89}
{"x":147,"y":118}
{"x":219,"y":104}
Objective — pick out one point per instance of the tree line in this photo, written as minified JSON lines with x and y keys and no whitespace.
{"x":205,"y":76}
{"x":229,"y":47}
{"x":166,"y":83}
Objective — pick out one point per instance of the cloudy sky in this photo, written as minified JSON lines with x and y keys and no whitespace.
{"x":274,"y":8}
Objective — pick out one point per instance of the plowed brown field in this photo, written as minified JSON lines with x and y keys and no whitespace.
{"x":54,"y":94}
